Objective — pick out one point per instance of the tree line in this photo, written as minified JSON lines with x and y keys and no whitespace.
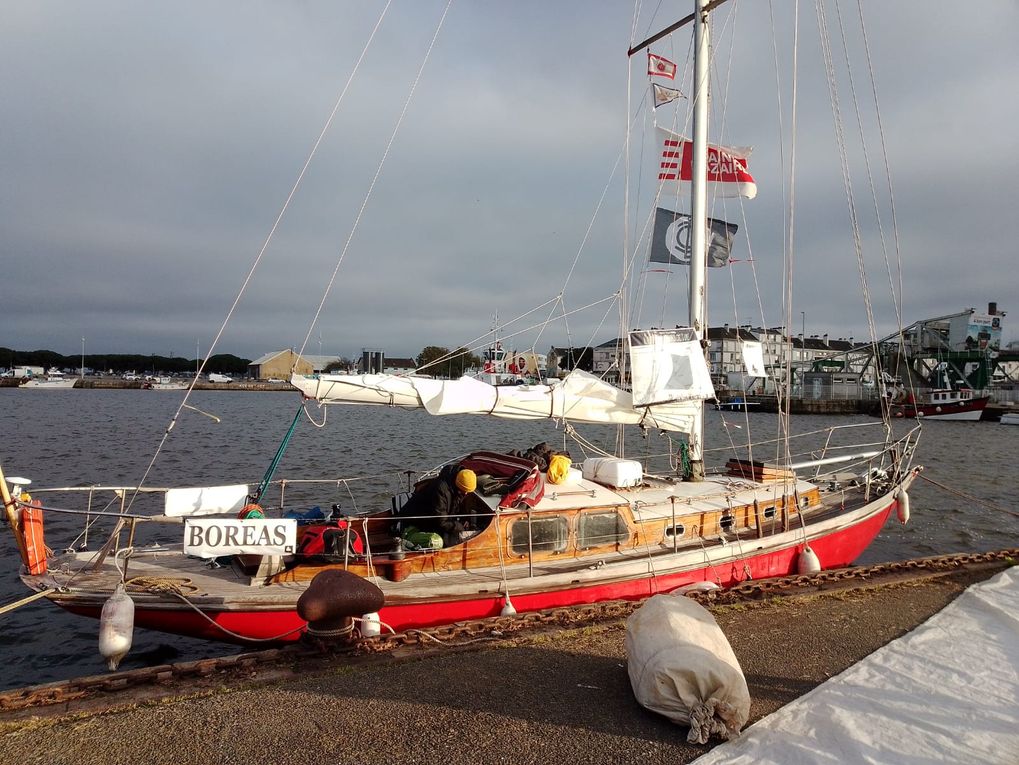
{"x":434,"y":360}
{"x":119,"y":363}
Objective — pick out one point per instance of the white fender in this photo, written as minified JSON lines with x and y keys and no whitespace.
{"x":370,"y":625}
{"x":902,"y":499}
{"x":507,"y":608}
{"x":808,"y":562}
{"x":116,"y":627}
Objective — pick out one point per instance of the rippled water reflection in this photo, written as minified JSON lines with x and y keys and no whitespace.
{"x":80,"y":437}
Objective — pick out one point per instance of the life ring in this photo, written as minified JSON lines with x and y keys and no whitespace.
{"x":251,"y":511}
{"x":35,"y":543}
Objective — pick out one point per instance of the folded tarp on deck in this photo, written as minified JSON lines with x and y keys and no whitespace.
{"x":948,"y":692}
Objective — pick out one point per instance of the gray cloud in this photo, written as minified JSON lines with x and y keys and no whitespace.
{"x":147,"y":150}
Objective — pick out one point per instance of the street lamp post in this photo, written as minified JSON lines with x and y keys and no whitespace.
{"x":803,"y":327}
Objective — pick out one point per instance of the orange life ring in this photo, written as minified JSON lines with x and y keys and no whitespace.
{"x":35,"y":544}
{"x":251,"y":511}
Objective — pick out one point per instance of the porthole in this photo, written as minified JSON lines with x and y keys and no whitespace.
{"x":675,"y":531}
{"x":596,"y":529}
{"x":546,"y":535}
{"x":726,"y":522}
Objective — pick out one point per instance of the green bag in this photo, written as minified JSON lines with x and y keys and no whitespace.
{"x":421,"y":540}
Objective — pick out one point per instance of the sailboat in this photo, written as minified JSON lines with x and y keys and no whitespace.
{"x":237,"y":565}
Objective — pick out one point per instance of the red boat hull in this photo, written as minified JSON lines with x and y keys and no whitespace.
{"x":834,"y":550}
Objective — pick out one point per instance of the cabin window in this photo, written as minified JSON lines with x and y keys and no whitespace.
{"x":675,"y":531}
{"x":804,"y":502}
{"x":726,"y":522}
{"x":769,"y":512}
{"x":598,"y":529}
{"x":546,"y":535}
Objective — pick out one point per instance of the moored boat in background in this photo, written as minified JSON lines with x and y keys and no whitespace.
{"x":942,"y":404}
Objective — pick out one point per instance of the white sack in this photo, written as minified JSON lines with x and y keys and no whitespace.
{"x":682,"y":666}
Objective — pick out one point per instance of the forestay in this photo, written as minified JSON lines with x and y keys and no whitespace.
{"x":580,"y":397}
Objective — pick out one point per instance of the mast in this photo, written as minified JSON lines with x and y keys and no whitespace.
{"x":698,"y":212}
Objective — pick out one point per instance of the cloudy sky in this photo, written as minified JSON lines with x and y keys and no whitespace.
{"x":147,"y":148}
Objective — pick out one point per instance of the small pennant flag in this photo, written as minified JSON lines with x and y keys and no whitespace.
{"x":660,"y":67}
{"x":664,"y":95}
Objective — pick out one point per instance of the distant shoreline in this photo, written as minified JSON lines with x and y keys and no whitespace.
{"x":116,"y":383}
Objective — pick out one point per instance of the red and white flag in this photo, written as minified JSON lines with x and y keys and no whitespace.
{"x":728,"y":172}
{"x":660,"y":67}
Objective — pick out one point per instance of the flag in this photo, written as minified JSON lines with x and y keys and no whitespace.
{"x":660,"y":67}
{"x":753,"y":358}
{"x":728,"y":173}
{"x":664,"y":95}
{"x":670,"y":242}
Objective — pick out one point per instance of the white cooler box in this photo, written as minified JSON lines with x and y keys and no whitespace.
{"x":612,"y":471}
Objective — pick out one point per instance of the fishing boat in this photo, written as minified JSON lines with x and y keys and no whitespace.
{"x":251,"y":561}
{"x":941,"y":404}
{"x":52,"y":380}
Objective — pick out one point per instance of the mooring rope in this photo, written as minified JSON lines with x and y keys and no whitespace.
{"x":970,"y":497}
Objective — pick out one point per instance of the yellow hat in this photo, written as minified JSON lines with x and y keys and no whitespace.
{"x":466,"y":481}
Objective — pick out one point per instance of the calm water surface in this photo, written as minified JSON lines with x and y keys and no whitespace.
{"x":83,"y":437}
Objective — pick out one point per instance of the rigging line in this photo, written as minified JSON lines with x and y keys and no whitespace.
{"x":897,"y":295}
{"x":784,"y":418}
{"x":840,"y":138}
{"x":608,"y":298}
{"x":888,"y":173}
{"x":480,"y":341}
{"x":378,"y":172}
{"x":261,"y":252}
{"x":873,"y":191}
{"x":970,"y":497}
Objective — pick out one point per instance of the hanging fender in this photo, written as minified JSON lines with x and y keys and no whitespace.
{"x":35,"y":542}
{"x":902,"y":501}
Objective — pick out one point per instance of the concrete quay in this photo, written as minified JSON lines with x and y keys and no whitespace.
{"x":553,"y":696}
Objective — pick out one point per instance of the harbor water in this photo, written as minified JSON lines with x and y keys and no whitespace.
{"x":88,"y":437}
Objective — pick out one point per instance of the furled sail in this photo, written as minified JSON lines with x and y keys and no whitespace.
{"x":580,"y":397}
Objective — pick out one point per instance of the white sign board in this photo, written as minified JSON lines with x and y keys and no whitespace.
{"x":205,"y":500}
{"x":753,"y":358}
{"x":211,"y":538}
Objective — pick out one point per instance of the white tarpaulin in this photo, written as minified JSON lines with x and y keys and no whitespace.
{"x":580,"y":397}
{"x":948,"y":692}
{"x":668,"y":365}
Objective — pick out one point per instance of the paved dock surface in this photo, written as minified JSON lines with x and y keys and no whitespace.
{"x":554,"y":697}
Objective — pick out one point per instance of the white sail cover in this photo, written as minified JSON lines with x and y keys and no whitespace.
{"x":580,"y":397}
{"x":667,"y":365}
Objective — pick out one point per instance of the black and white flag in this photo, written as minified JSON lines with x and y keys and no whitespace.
{"x":671,"y":240}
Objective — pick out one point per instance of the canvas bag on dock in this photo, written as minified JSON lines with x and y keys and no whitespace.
{"x":682,"y":666}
